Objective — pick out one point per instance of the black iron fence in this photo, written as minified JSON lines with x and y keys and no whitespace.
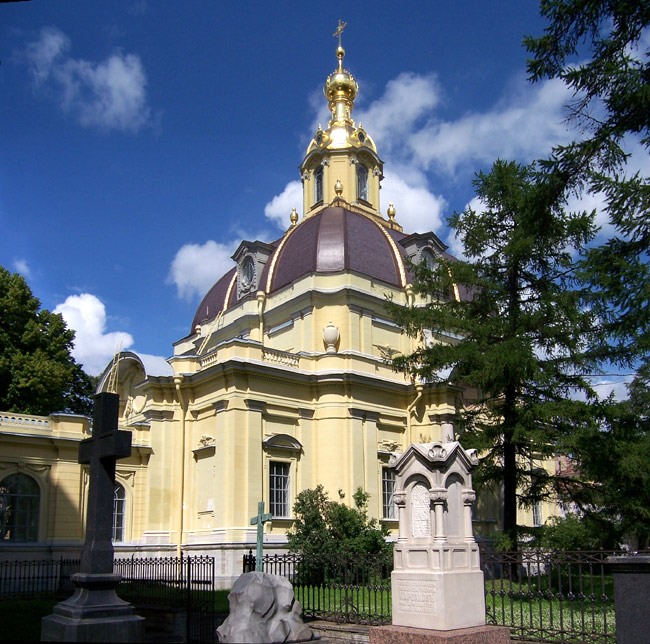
{"x":542,"y":596}
{"x":37,"y":578}
{"x":342,"y":587}
{"x":551,"y":596}
{"x":184,"y":584}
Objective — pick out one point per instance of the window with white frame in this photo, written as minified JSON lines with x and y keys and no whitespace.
{"x":387,"y":491}
{"x":279,"y":486}
{"x":537,"y":513}
{"x":119,"y":503}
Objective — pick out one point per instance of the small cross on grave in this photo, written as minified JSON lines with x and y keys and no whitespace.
{"x":95,"y":613}
{"x":260,"y":520}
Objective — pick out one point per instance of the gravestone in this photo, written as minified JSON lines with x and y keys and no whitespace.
{"x":437,"y":583}
{"x":95,"y":613}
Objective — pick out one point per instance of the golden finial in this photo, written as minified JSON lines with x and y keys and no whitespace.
{"x":391,"y":211}
{"x":338,"y":188}
{"x":293,"y":217}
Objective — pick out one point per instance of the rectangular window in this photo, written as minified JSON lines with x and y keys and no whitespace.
{"x":387,"y":489}
{"x":279,"y":489}
{"x":537,"y":513}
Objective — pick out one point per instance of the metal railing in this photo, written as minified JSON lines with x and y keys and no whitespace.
{"x":551,"y":596}
{"x":184,"y":583}
{"x":542,"y":596}
{"x":341,"y":587}
{"x":37,"y":578}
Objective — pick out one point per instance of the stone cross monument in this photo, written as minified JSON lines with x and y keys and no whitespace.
{"x":94,"y":613}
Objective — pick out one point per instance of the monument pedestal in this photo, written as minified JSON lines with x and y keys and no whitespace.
{"x":438,"y":600}
{"x":409,"y":635}
{"x":93,"y":614}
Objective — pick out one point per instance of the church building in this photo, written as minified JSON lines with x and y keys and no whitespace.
{"x":280,"y":384}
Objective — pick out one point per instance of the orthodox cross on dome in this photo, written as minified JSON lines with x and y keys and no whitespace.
{"x":260,"y":520}
{"x":339,"y":30}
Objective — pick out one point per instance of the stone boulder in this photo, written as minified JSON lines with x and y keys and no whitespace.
{"x":263,"y":609}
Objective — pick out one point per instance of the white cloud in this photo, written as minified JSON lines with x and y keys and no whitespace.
{"x":524,"y":126}
{"x":417,"y":209}
{"x":196,"y":267}
{"x":93,"y":347}
{"x":20,"y":266}
{"x":606,"y":386}
{"x":279,"y":208}
{"x":110,"y":94}
{"x":406,"y":100}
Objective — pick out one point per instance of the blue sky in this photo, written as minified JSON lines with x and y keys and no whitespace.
{"x":141,"y":140}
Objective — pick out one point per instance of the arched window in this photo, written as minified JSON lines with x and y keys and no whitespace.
{"x":318,"y":184}
{"x":20,"y":499}
{"x":362,"y":182}
{"x":428,"y":259}
{"x":119,"y":503}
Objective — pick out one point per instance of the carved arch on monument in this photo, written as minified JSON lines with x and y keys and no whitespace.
{"x":454,"y":527}
{"x":419,"y":515}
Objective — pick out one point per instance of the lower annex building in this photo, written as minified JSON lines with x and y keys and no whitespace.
{"x":280,"y":384}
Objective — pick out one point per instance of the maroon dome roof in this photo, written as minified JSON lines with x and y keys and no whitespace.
{"x":333,"y":240}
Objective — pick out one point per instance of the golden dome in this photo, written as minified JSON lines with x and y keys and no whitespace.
{"x":340,"y":84}
{"x":340,"y":90}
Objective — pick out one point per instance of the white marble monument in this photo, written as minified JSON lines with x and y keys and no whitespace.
{"x":437,"y":582}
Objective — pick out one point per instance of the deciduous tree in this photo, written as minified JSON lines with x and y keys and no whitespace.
{"x":38,"y":374}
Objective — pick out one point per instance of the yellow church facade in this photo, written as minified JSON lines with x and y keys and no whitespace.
{"x":281,"y":384}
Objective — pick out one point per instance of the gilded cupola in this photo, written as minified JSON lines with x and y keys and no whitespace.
{"x":341,"y":162}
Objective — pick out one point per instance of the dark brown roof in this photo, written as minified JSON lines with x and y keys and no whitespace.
{"x":333,"y":240}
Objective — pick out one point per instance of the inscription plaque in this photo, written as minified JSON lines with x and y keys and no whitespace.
{"x":417,"y":596}
{"x":420,"y":511}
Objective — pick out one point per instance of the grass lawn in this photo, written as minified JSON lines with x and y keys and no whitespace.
{"x":21,"y":618}
{"x":367,"y":605}
{"x":550,"y":619}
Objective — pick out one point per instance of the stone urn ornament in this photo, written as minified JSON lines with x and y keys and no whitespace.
{"x":331,"y":336}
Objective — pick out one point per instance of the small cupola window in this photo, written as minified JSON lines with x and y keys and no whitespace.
{"x":362,"y":182}
{"x":428,"y":259}
{"x":318,"y":184}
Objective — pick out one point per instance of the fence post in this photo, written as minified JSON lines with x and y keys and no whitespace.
{"x":188,"y":598}
{"x":631,"y":597}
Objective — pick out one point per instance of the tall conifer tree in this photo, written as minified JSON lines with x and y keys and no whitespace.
{"x":599,"y":48}
{"x":521,"y":335}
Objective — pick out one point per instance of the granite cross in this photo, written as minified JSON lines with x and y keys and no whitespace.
{"x":260,"y":520}
{"x":100,"y":452}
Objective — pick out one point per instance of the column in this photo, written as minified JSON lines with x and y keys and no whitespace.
{"x":438,"y":496}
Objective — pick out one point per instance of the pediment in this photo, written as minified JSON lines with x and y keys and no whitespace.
{"x":282,"y":442}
